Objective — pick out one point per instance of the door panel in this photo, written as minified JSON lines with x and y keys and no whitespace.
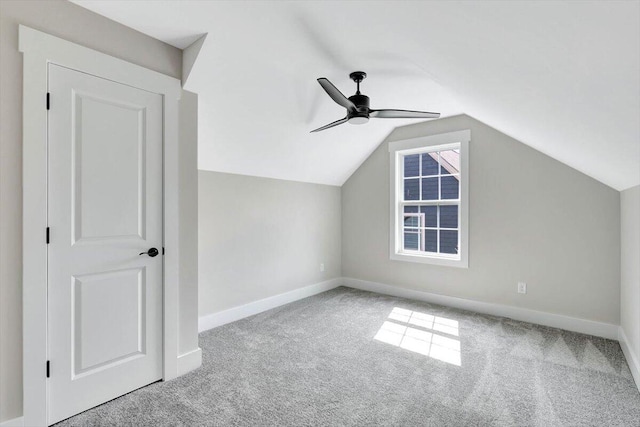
{"x":108,"y":319}
{"x":105,"y":208}
{"x":108,"y":204}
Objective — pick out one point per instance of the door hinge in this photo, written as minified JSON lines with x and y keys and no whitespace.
{"x":163,"y":250}
{"x":47,"y":233}
{"x":48,"y":101}
{"x":48,"y":369}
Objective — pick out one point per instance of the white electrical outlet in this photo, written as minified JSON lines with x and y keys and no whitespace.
{"x":321,"y":267}
{"x":522,"y":288}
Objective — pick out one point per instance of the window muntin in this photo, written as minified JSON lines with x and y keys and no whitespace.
{"x":430,"y":199}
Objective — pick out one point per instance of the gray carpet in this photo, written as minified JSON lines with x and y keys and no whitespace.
{"x":353,"y":358}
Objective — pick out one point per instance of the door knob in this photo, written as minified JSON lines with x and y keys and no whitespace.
{"x":151,"y":252}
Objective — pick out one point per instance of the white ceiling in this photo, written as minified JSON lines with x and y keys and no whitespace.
{"x":562,"y":77}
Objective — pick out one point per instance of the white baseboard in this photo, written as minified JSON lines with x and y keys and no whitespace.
{"x":220,"y":318}
{"x":584,"y":326}
{"x":189,"y":361}
{"x":605,"y":330}
{"x":632,"y":358}
{"x":15,"y":422}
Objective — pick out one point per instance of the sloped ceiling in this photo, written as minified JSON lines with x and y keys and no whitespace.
{"x":562,"y":77}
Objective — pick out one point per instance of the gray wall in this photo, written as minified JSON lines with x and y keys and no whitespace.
{"x":71,"y":22}
{"x":260,"y":237}
{"x":630,"y":267}
{"x":532,"y":219}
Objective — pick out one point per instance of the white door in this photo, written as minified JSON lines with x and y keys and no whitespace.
{"x":104,"y":209}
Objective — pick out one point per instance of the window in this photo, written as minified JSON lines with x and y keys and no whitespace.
{"x":429,"y":199}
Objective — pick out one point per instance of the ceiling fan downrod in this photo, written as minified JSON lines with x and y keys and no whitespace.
{"x":358,"y":76}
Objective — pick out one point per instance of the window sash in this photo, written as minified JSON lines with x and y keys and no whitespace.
{"x":443,"y":202}
{"x":403,"y":154}
{"x":402,"y":202}
{"x":431,"y":176}
{"x":402,"y":229}
{"x":410,"y":229}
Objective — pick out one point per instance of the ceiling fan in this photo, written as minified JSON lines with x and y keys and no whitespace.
{"x":358,"y":111}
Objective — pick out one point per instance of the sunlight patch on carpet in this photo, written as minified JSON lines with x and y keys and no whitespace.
{"x":421,"y":333}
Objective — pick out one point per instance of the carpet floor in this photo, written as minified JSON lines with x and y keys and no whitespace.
{"x":354,"y":358}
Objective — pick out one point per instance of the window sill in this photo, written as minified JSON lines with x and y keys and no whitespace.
{"x":430,"y":259}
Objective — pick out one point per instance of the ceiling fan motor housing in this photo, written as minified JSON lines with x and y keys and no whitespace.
{"x":361,"y":115}
{"x":361,"y":101}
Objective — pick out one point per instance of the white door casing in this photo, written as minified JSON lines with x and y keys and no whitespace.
{"x":105,"y":207}
{"x":39,"y":50}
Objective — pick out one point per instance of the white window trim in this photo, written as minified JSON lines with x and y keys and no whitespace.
{"x":406,"y":146}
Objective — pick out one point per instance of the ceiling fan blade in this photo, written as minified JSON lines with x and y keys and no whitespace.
{"x":402,"y":114}
{"x":330,"y":125}
{"x":335,"y":94}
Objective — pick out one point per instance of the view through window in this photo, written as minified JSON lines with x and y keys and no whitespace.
{"x":431,"y":199}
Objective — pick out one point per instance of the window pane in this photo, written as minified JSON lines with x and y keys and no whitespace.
{"x":449,"y":216}
{"x":410,"y":209}
{"x":411,"y":241}
{"x":412,"y":165}
{"x":411,"y":189}
{"x":450,"y":187}
{"x":431,"y":242}
{"x":448,"y":242}
{"x":411,"y":221}
{"x":450,"y":161}
{"x":430,"y":188}
{"x":429,"y":164}
{"x":430,"y":215}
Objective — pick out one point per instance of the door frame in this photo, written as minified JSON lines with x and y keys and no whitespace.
{"x":39,"y":50}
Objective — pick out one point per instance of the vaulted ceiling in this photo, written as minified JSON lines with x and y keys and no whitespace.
{"x":562,"y":77}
